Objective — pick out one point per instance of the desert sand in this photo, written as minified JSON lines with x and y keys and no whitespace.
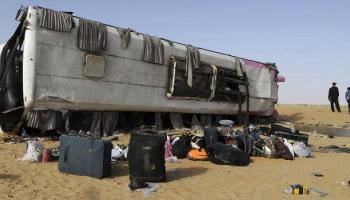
{"x":314,"y":114}
{"x":263,"y":179}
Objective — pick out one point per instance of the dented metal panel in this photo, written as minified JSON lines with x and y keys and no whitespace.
{"x":94,"y":66}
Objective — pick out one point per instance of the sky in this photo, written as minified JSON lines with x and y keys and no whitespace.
{"x":308,"y":40}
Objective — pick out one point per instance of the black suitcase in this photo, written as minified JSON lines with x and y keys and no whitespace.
{"x":211,"y":136}
{"x":85,"y":156}
{"x":146,"y":156}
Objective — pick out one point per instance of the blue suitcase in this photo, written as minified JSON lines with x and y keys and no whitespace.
{"x":85,"y":156}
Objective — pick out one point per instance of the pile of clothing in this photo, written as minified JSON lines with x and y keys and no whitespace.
{"x":220,"y":145}
{"x":224,"y":145}
{"x":278,"y":142}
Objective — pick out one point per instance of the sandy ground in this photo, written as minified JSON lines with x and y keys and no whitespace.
{"x":314,"y":114}
{"x":263,"y":179}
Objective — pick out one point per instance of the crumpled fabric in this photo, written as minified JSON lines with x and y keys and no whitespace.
{"x":34,"y":149}
{"x":289,"y":145}
{"x":55,"y":20}
{"x":153,"y":50}
{"x":45,"y":119}
{"x":195,"y":124}
{"x":118,"y":153}
{"x":205,"y":120}
{"x":176,"y":120}
{"x":125,"y":36}
{"x":92,"y":36}
{"x":301,"y":150}
{"x":96,"y":122}
{"x":109,"y":122}
{"x":192,"y":62}
{"x":146,"y":188}
{"x":158,"y":121}
{"x":169,"y":151}
{"x":213,"y":82}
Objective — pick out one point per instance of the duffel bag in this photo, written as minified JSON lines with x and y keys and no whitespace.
{"x":227,"y":155}
{"x":181,"y":146}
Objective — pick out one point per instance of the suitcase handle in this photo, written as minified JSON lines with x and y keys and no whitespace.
{"x":65,"y":155}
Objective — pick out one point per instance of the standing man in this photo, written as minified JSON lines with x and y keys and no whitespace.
{"x":347,"y":97}
{"x":333,"y":95}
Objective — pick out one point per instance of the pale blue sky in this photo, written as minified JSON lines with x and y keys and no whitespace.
{"x":309,"y":40}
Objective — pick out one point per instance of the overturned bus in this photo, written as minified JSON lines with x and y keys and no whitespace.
{"x":63,"y":72}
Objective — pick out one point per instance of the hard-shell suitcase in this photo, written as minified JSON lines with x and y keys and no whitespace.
{"x":146,"y":156}
{"x":85,"y":156}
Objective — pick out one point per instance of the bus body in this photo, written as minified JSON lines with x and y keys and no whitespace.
{"x":51,"y":73}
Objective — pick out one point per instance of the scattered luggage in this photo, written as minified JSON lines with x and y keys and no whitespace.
{"x":297,"y":189}
{"x":245,"y":142}
{"x":197,"y":154}
{"x":168,"y":148}
{"x":146,"y":157}
{"x":85,"y":156}
{"x":300,"y":137}
{"x":211,"y":136}
{"x":269,"y":149}
{"x":258,"y":148}
{"x":290,"y":146}
{"x":290,"y":134}
{"x":33,"y":151}
{"x":301,"y":150}
{"x":119,"y":152}
{"x":198,"y":142}
{"x":227,"y":155}
{"x":46,"y":156}
{"x":283,"y":150}
{"x":181,"y":146}
{"x":279,"y":128}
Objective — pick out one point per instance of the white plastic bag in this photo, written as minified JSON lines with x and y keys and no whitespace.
{"x":34,"y":149}
{"x":118,"y":152}
{"x":301,"y":150}
{"x":289,"y":145}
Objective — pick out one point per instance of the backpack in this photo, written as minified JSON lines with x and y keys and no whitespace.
{"x":197,"y":154}
{"x":224,"y":154}
{"x":181,"y":146}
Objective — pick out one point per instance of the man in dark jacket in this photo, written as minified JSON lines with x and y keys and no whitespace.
{"x":347,"y":98}
{"x":333,"y":95}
